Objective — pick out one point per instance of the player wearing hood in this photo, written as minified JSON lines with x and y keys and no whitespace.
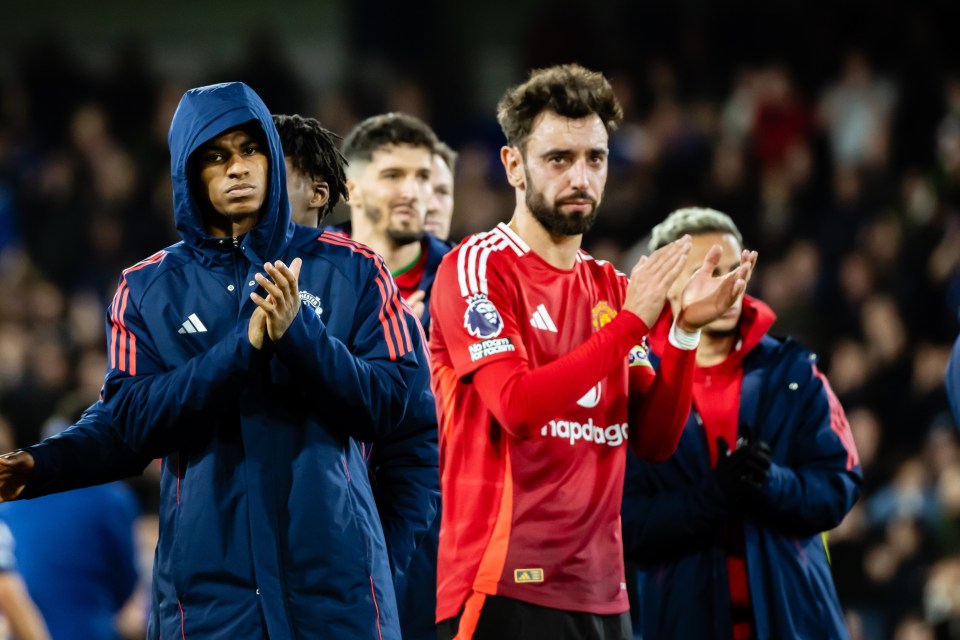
{"x":404,"y":469}
{"x":227,"y":360}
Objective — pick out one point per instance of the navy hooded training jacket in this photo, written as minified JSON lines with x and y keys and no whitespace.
{"x":268,"y":525}
{"x":674,"y":513}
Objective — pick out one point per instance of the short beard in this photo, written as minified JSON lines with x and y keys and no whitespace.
{"x":402,"y":237}
{"x":555,"y":222}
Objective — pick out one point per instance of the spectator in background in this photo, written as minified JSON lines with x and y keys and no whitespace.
{"x":856,"y":110}
{"x":726,"y":534}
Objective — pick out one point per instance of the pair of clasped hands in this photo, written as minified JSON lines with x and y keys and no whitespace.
{"x":275,"y":313}
{"x":704,"y":297}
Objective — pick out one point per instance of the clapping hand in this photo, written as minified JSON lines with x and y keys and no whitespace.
{"x":705,"y":297}
{"x":652,"y":277}
{"x":275,"y":313}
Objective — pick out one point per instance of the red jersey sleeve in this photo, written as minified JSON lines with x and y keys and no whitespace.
{"x":522,"y":398}
{"x":660,"y":404}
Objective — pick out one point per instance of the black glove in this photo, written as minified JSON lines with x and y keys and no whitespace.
{"x":747,"y":467}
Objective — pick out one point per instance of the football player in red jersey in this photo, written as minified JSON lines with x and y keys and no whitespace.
{"x":541,"y":379}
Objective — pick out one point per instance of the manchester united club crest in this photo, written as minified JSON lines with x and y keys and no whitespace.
{"x":307,"y":299}
{"x":602,"y":314}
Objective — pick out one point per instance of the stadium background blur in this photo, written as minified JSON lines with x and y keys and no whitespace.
{"x":831,"y":133}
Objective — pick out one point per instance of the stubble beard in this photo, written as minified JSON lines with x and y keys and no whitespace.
{"x":403,"y":237}
{"x":399,"y":237}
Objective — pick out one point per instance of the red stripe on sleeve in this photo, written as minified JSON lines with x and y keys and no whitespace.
{"x":396,"y":303}
{"x":133,"y":354}
{"x":122,"y":364}
{"x":383,"y":321}
{"x":123,"y":340}
{"x":394,"y":329}
{"x":113,"y":324}
{"x":838,"y":422}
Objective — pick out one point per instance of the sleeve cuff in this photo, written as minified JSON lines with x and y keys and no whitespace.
{"x":682,"y":339}
{"x":635,"y":327}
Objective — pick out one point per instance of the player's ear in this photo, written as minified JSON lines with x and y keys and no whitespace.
{"x":512,"y":161}
{"x":319,"y":194}
{"x":354,"y":193}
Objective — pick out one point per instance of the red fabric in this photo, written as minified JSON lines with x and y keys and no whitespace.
{"x":716,"y":395}
{"x":658,"y":411}
{"x":409,"y":280}
{"x":531,"y":378}
{"x":514,"y":392}
{"x":716,"y":392}
{"x":778,"y":127}
{"x":743,"y":631}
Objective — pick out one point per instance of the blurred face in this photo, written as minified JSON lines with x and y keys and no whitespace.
{"x":565,"y":170}
{"x":729,"y":261}
{"x":233,"y":174}
{"x":440,"y":210}
{"x":394,"y":189}
{"x":307,"y":196}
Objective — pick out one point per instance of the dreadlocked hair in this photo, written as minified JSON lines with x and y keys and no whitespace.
{"x":313,"y":151}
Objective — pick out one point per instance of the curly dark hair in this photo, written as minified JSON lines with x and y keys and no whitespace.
{"x":376,"y":132}
{"x":313,"y":151}
{"x":568,"y":90}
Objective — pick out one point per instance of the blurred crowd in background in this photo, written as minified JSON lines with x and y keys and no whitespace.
{"x":839,"y":161}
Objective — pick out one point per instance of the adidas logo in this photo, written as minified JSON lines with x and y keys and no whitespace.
{"x":192,"y":325}
{"x":521,"y":576}
{"x":542,"y":320}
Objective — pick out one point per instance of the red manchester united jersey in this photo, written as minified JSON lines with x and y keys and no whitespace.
{"x":536,"y":519}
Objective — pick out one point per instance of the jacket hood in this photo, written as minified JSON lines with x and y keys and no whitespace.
{"x":755,"y":320}
{"x":204,"y":113}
